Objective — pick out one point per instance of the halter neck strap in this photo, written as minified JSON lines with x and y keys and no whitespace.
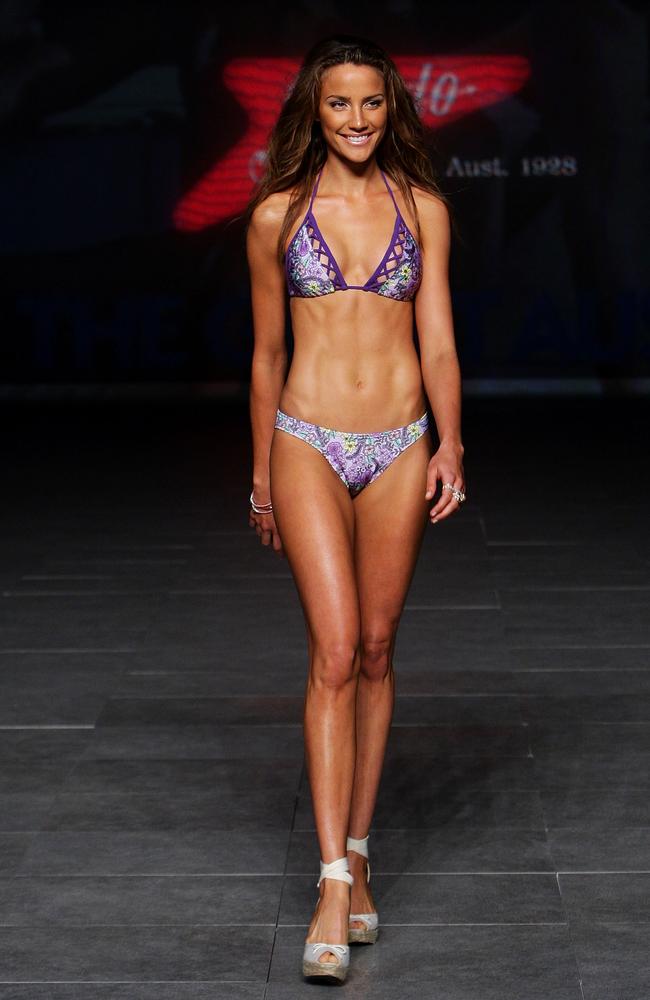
{"x":389,"y":189}
{"x":315,"y":188}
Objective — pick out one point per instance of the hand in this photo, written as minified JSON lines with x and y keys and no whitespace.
{"x":266,"y":529}
{"x":447,"y":466}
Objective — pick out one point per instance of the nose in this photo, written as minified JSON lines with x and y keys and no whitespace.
{"x":357,"y":120}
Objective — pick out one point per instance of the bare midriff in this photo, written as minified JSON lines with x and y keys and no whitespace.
{"x":354,"y":366}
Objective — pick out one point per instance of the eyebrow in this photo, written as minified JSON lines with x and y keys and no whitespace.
{"x":339,"y":97}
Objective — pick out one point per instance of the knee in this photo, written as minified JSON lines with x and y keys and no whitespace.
{"x":376,"y":656}
{"x":335,"y":664}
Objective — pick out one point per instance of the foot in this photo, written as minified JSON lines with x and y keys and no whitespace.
{"x":361,"y":900}
{"x":331,"y":916}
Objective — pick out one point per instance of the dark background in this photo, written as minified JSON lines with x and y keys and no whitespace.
{"x":113,"y":116}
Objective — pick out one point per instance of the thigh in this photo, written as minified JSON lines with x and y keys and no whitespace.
{"x":391,"y":515}
{"x":314,"y":516}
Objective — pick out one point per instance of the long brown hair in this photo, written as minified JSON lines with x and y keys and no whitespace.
{"x":296,"y":149}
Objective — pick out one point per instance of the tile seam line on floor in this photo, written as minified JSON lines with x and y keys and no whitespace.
{"x":116,"y":727}
{"x":85,"y":593}
{"x":460,"y":723}
{"x":296,"y":800}
{"x":311,"y":830}
{"x":570,"y":934}
{"x":126,"y":982}
{"x":469,"y":694}
{"x":299,"y":697}
{"x":86,"y":726}
{"x":577,"y":588}
{"x":531,"y":543}
{"x":591,"y":645}
{"x":523,"y":923}
{"x":523,"y":872}
{"x":62,"y":925}
{"x":12,"y":876}
{"x":603,"y":871}
{"x":584,"y":721}
{"x":532,"y":670}
{"x":455,"y":827}
{"x":475,"y":828}
{"x":509,"y":670}
{"x":452,"y":607}
{"x":157,"y":592}
{"x":125,"y":875}
{"x":105,"y":559}
{"x":69,"y":650}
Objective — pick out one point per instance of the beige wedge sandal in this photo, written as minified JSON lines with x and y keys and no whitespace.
{"x":311,"y":964}
{"x":369,"y":933}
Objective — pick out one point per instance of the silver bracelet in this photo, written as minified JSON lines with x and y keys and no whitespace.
{"x":264,"y":508}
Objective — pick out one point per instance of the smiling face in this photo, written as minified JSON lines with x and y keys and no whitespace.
{"x":352,"y":110}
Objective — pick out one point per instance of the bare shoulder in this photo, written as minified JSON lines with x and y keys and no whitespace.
{"x":268,"y":216}
{"x":265,"y":226}
{"x":432,"y":209}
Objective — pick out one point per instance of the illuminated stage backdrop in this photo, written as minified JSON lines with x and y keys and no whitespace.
{"x":124,"y":177}
{"x":445,"y":89}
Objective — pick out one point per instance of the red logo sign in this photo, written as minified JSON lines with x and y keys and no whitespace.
{"x":446,"y":88}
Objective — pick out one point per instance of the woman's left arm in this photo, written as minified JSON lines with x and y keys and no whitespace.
{"x":438,"y":357}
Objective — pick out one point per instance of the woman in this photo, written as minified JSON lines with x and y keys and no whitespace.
{"x":343,"y":473}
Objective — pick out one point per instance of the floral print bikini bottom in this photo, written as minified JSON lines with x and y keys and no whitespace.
{"x":357,"y":458}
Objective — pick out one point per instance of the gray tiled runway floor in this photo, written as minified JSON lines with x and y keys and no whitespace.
{"x":156,"y":832}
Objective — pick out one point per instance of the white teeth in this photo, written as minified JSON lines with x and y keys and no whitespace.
{"x":357,"y":140}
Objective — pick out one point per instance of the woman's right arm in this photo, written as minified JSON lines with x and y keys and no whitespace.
{"x":269,"y":365}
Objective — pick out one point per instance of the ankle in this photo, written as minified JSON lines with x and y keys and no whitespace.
{"x":356,"y":861}
{"x":334,"y":889}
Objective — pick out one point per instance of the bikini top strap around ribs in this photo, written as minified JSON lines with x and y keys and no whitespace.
{"x":312,"y":270}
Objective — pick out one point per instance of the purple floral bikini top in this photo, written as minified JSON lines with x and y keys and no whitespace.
{"x":312,"y":270}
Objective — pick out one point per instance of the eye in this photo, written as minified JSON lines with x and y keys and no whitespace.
{"x":376,"y":102}
{"x":337,"y":104}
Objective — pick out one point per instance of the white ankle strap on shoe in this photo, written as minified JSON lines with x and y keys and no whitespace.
{"x":339,"y":870}
{"x":360,"y":846}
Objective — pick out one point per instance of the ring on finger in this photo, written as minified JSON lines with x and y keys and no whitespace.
{"x":458,"y":495}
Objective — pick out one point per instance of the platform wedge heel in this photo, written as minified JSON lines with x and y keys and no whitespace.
{"x":312,"y":967}
{"x":370,"y":932}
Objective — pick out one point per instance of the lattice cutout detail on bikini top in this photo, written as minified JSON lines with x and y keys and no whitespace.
{"x":320,"y":248}
{"x":401,"y":271}
{"x":308,"y":274}
{"x":394,"y":259}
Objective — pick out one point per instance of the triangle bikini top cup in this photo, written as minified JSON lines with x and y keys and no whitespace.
{"x":311,"y":267}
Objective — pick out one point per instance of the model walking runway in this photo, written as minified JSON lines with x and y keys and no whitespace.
{"x":157,"y":837}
